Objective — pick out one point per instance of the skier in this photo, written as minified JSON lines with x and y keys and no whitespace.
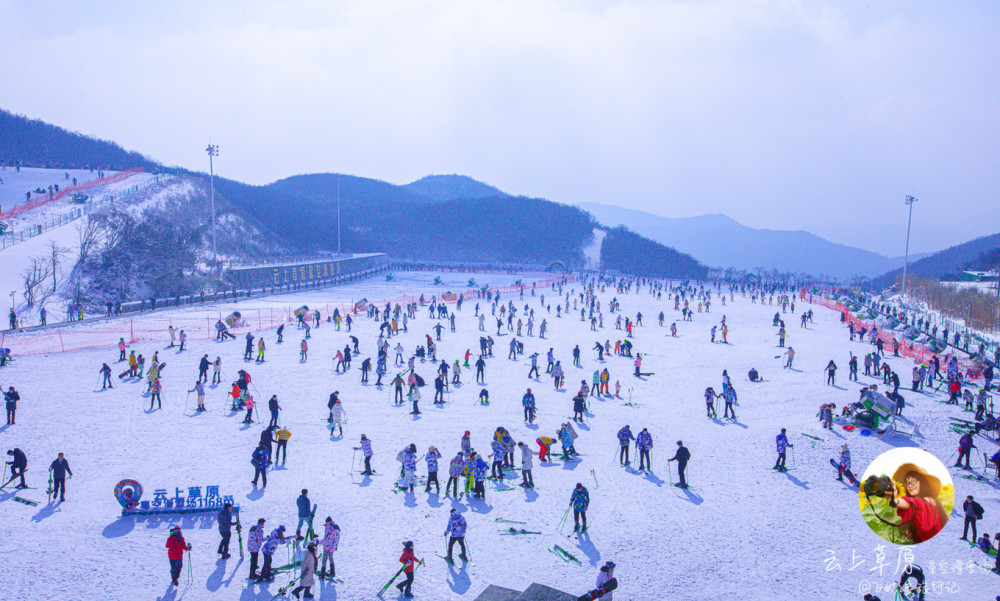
{"x":431,"y":458}
{"x":183,"y":339}
{"x":200,"y":389}
{"x":710,"y":397}
{"x":281,"y":333}
{"x":274,"y":408}
{"x":579,"y":405}
{"x":456,"y":528}
{"x":831,"y":373}
{"x":121,"y":349}
{"x":965,"y":447}
{"x":216,"y":371}
{"x":226,"y":521}
{"x":579,"y":501}
{"x":782,"y":444}
{"x":331,"y":539}
{"x":176,"y":546}
{"x":682,"y":456}
{"x":154,"y":394}
{"x":973,"y":511}
{"x":260,"y":461}
{"x":248,"y":351}
{"x":11,"y":397}
{"x":336,"y":415}
{"x":845,"y":462}
{"x":281,"y":451}
{"x":173,"y":336}
{"x":18,"y":464}
{"x":409,"y":561}
{"x":544,"y":444}
{"x":729,"y":395}
{"x":644,"y":443}
{"x":409,"y":460}
{"x":308,"y":570}
{"x":59,"y":468}
{"x":625,"y":439}
{"x":260,"y":350}
{"x":203,"y":364}
{"x":528,"y":401}
{"x":274,"y":539}
{"x":254,"y":543}
{"x":305,"y":514}
{"x":526,"y":464}
{"x":479,"y":476}
{"x":415,"y":399}
{"x":366,"y":447}
{"x":455,"y":469}
{"x":105,"y":371}
{"x":790,"y":353}
{"x":304,"y":351}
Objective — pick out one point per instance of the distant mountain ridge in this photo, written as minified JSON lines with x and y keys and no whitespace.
{"x":453,"y":187}
{"x":720,"y":241}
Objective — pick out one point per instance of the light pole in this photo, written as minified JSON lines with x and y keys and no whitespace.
{"x":906,"y":256}
{"x":213,"y":151}
{"x":338,"y":218}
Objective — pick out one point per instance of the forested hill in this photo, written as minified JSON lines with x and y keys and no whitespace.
{"x":33,"y":143}
{"x":980,"y":253}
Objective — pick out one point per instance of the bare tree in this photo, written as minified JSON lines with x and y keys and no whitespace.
{"x":34,"y":277}
{"x":56,"y":253}
{"x":88,"y":234}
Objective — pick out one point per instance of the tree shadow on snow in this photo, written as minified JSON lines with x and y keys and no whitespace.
{"x":169,"y":595}
{"x":119,"y":527}
{"x":654,"y":478}
{"x":458,"y":579}
{"x":796,"y":481}
{"x":45,"y":512}
{"x":214,"y":581}
{"x":588,"y":548}
{"x":690,"y":496}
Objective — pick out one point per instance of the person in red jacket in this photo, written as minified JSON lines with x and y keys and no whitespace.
{"x":176,"y":546}
{"x":409,"y":561}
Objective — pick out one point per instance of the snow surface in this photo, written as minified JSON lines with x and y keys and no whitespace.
{"x":743,"y":532}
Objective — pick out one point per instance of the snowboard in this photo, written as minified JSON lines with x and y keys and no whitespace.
{"x":600,"y":591}
{"x":848,"y":473}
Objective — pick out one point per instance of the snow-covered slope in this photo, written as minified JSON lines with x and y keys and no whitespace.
{"x":742,"y":531}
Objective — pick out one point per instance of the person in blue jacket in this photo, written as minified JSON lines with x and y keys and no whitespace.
{"x":579,"y":501}
{"x":644,"y":443}
{"x":456,"y":528}
{"x":625,"y":439}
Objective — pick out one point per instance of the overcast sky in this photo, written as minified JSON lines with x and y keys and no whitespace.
{"x":781,"y":114}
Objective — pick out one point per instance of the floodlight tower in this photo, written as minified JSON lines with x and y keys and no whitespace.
{"x":213,"y":151}
{"x":909,"y":200}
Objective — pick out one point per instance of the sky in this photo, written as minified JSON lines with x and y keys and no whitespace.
{"x":781,"y":114}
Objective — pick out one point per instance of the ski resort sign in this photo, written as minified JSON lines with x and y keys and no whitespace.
{"x":128,"y":493}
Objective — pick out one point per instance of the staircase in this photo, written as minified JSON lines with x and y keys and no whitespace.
{"x":535,"y":592}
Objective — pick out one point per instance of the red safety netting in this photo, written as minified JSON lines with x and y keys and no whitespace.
{"x":915,"y":350}
{"x":44,"y":198}
{"x":152,"y":326}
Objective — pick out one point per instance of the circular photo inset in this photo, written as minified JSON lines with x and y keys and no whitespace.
{"x":906,"y":496}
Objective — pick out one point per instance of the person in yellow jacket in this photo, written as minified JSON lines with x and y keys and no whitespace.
{"x":260,"y":350}
{"x":544,"y":444}
{"x":282,"y":437}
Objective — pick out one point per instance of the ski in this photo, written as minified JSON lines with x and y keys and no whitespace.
{"x":557,"y":554}
{"x":508,"y":521}
{"x":811,"y":436}
{"x":26,"y":501}
{"x":567,"y":553}
{"x":517,"y":531}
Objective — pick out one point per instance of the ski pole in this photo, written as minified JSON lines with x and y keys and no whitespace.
{"x":562,"y":521}
{"x":353,"y":455}
{"x":670,"y":475}
{"x":187,"y":400}
{"x":190,"y":579}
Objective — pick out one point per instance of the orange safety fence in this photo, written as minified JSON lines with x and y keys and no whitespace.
{"x":152,"y":327}
{"x":917,"y":351}
{"x":44,"y":198}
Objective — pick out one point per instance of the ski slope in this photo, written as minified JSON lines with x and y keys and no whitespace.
{"x":742,"y":531}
